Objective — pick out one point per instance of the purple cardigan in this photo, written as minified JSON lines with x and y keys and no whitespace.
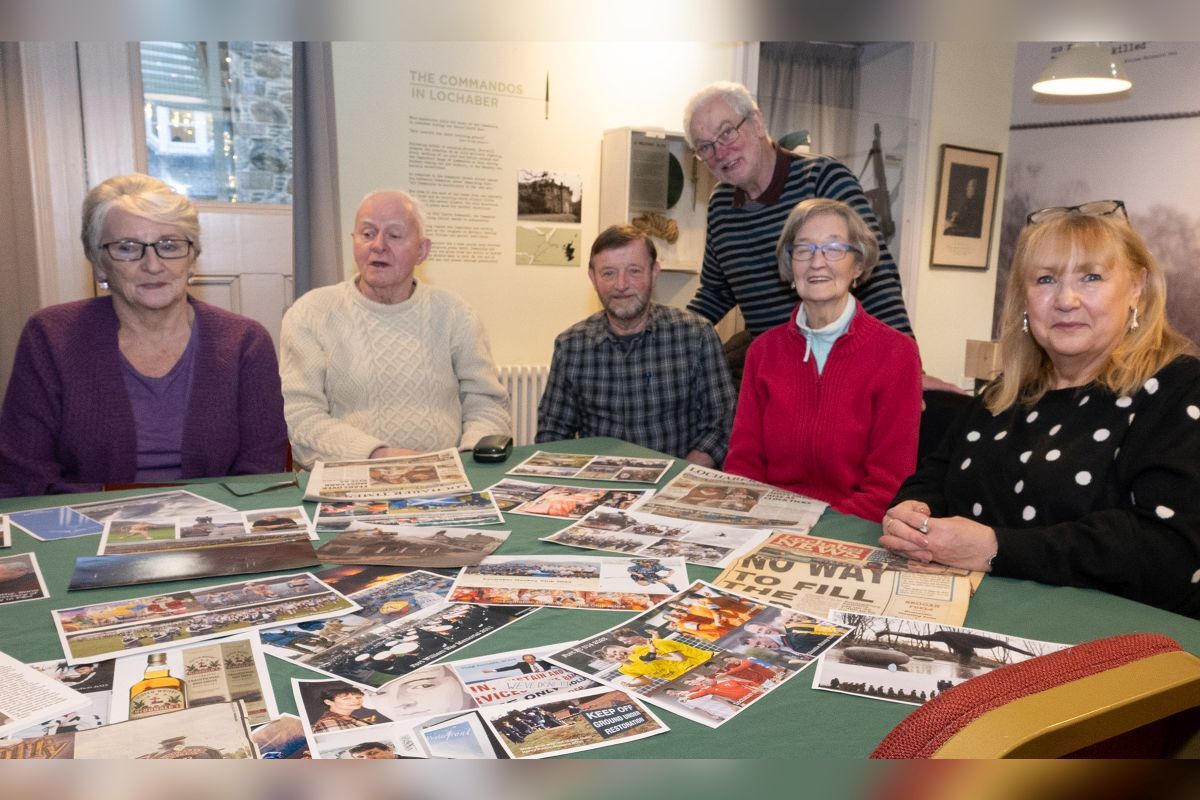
{"x":67,"y":423}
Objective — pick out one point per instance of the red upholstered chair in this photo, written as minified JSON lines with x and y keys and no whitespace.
{"x":1135,"y":695}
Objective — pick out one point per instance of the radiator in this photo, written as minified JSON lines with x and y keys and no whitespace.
{"x":525,"y":385}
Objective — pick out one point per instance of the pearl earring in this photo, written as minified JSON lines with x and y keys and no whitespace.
{"x":1133,"y":322}
{"x":1025,"y":322}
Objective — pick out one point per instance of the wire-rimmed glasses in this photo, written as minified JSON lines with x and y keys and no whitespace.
{"x":1095,"y":208}
{"x":706,"y":150}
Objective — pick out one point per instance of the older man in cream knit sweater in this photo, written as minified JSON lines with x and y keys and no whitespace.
{"x":380,"y":365}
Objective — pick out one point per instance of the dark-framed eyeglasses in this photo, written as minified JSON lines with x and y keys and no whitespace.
{"x":132,"y":250}
{"x":1096,"y":208}
{"x":834,"y":251}
{"x":705,"y":150}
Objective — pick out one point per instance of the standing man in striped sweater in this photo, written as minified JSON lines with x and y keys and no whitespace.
{"x":760,"y":183}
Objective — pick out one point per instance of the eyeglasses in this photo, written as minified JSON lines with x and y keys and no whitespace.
{"x":130,"y":250}
{"x":705,"y":150}
{"x":1096,"y":208}
{"x":834,"y":251}
{"x":247,"y":488}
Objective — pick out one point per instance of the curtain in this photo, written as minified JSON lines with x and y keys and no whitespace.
{"x":316,"y":227}
{"x":19,"y":255}
{"x":810,"y":86}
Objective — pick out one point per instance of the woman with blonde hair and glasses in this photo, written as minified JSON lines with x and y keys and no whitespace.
{"x":146,"y":384}
{"x":831,"y":400}
{"x":1080,"y":464}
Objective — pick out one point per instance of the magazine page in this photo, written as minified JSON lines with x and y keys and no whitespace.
{"x":281,"y":738}
{"x":385,"y":478}
{"x":705,"y":654}
{"x":342,"y":720}
{"x":143,"y":624}
{"x":784,"y":572}
{"x":241,"y":556}
{"x":411,"y":546}
{"x":379,"y":603}
{"x":614,"y":584}
{"x":171,"y":680}
{"x":560,"y":501}
{"x":572,"y":723}
{"x":461,"y":736}
{"x":375,"y":655}
{"x":208,"y":732}
{"x":466,"y":509}
{"x":123,"y":535}
{"x":91,"y":679}
{"x":21,"y":579}
{"x":422,"y":714}
{"x":706,"y":495}
{"x":518,"y":675}
{"x":166,"y":681}
{"x":906,"y":661}
{"x":84,"y":519}
{"x":593,"y":468}
{"x":636,"y":532}
{"x":27,"y":696}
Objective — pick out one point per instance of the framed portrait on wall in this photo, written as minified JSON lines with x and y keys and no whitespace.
{"x":964,"y":218}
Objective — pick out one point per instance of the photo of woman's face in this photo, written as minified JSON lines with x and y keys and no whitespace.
{"x":433,"y":690}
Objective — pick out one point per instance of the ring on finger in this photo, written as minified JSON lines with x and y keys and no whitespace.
{"x":924,"y":526}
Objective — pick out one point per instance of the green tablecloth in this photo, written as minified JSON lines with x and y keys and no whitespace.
{"x":795,"y":719}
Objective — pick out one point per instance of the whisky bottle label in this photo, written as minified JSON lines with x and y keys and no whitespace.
{"x":151,"y":702}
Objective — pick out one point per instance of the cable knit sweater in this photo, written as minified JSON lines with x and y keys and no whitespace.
{"x":848,"y":435}
{"x":67,"y":423}
{"x":358,"y":375}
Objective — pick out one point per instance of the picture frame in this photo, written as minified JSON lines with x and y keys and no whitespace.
{"x":964,"y":218}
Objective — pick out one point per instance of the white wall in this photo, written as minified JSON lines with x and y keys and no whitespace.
{"x":971,"y":107}
{"x":594,"y":86}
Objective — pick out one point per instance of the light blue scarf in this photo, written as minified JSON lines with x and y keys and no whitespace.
{"x":820,"y":340}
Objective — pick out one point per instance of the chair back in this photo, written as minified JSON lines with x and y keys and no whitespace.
{"x":1120,"y":696}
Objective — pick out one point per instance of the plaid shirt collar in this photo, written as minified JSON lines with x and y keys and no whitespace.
{"x":599,"y":331}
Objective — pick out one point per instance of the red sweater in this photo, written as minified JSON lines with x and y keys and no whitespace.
{"x":847,"y":436}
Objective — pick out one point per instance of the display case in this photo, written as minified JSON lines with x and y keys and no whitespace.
{"x":651,"y":178}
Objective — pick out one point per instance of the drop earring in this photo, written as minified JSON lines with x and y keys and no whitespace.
{"x":1133,"y":322}
{"x":1025,"y":322}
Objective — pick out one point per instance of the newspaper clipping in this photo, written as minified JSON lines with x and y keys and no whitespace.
{"x":905,"y":661}
{"x":593,"y":468}
{"x":820,"y":576}
{"x":385,"y":478}
{"x":706,"y":495}
{"x":638,"y":533}
{"x":615,"y":584}
{"x":705,"y":654}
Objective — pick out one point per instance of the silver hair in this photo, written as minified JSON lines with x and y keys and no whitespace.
{"x":860,"y":234}
{"x":417,"y":209}
{"x":142,"y":196}
{"x":735,"y":94}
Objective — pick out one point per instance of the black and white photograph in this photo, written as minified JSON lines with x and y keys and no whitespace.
{"x":963,"y":220}
{"x":906,"y":661}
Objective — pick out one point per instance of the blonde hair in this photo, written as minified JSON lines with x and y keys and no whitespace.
{"x":1071,"y":239}
{"x":859,"y":234}
{"x":142,"y":196}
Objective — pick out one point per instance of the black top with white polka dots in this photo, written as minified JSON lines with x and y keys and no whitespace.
{"x":1085,"y":488}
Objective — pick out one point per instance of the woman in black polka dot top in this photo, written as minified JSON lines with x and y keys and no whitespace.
{"x":1080,"y":464}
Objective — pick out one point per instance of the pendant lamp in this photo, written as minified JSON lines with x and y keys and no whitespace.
{"x":1083,"y":69}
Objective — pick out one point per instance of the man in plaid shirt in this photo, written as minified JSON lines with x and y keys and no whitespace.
{"x":639,"y":371}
